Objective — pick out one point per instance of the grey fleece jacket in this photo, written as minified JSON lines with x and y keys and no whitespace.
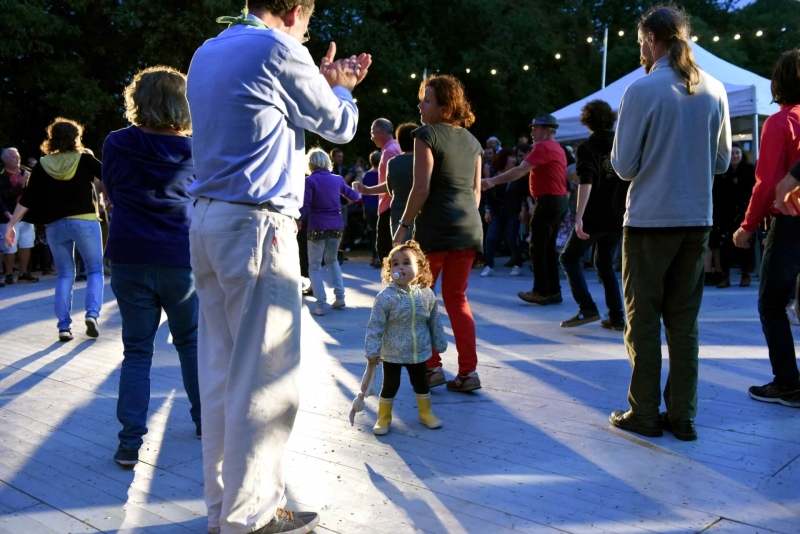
{"x":404,"y":324}
{"x":670,"y":144}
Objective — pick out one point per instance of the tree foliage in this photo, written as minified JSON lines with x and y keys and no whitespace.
{"x":74,"y":57}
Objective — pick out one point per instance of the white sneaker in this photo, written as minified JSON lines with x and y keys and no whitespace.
{"x":516,"y":271}
{"x":487,"y":271}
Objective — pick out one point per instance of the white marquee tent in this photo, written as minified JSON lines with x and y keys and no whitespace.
{"x":749,"y":98}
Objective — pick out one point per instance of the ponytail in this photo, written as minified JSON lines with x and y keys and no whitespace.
{"x":681,"y":59}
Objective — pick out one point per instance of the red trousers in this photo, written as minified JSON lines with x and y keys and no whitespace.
{"x":455,"y":268}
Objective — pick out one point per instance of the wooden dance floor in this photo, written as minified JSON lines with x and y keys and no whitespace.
{"x":530,"y":452}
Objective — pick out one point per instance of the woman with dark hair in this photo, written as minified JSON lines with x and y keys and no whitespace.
{"x":147,"y":171}
{"x":780,"y":264}
{"x":502,"y":213}
{"x":731,"y":193}
{"x":61,"y":195}
{"x":443,"y":206}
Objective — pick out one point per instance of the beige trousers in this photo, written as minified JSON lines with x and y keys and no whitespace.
{"x":246,"y":267}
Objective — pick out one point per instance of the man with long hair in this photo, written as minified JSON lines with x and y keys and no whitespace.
{"x":673,"y":135}
{"x":252,"y":92}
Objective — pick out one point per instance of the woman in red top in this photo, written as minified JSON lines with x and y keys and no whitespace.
{"x":780,"y":142}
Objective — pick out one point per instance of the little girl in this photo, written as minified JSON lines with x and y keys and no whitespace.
{"x":402,"y":329}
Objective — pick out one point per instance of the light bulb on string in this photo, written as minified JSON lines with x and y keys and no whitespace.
{"x":493,"y":72}
{"x":737,"y":37}
{"x":385,"y":90}
{"x":716,"y":38}
{"x":783,"y":29}
{"x":558,"y":56}
{"x":759,"y":33}
{"x":413,"y":75}
{"x":589,"y":39}
{"x":694,"y":38}
{"x":621,"y":33}
{"x":467,"y":71}
{"x":525,"y":67}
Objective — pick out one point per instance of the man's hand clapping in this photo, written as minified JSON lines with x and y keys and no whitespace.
{"x":347,"y":72}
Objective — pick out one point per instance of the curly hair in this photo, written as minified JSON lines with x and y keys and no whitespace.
{"x":598,"y":116}
{"x":156,"y":98}
{"x":424,"y":274}
{"x":279,"y":7}
{"x":63,"y":135}
{"x":786,"y":79}
{"x":450,"y":94}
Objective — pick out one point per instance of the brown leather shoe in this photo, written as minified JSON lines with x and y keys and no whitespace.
{"x":745,"y":282}
{"x":646,"y":426}
{"x":683,"y":430}
{"x":725,"y":282}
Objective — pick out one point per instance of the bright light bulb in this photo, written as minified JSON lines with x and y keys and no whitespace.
{"x":737,"y":36}
{"x":589,"y":39}
{"x":413,"y":76}
{"x":385,"y":90}
{"x":494,"y":72}
{"x":558,"y":56}
{"x":525,"y":67}
{"x":716,"y":38}
{"x":621,"y":33}
{"x":467,"y":71}
{"x":783,"y":29}
{"x":759,"y":33}
{"x":694,"y":38}
{"x":355,"y":100}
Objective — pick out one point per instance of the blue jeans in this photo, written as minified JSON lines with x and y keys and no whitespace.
{"x":571,"y":260}
{"x":508,"y":228}
{"x":63,"y":236}
{"x":319,"y":249}
{"x":142,"y":291}
{"x":780,"y":266}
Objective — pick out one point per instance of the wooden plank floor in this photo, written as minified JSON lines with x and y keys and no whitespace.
{"x":530,"y":452}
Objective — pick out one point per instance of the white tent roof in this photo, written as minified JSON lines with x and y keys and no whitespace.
{"x":748,"y":94}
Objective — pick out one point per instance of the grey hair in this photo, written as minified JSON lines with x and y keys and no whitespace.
{"x":6,"y":151}
{"x":384,"y":125}
{"x":156,"y":98}
{"x":318,"y":159}
{"x":493,"y":138}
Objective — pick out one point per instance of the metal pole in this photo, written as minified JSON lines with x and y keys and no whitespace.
{"x":605,"y":55}
{"x":755,"y":138}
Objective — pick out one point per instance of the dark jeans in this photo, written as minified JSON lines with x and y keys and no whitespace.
{"x":417,"y":374}
{"x":506,"y":227}
{"x":371,"y":215}
{"x":571,"y":260}
{"x":662,"y":277}
{"x":548,"y":213}
{"x":384,"y":238}
{"x":780,"y":265}
{"x":302,"y":245}
{"x":142,"y":291}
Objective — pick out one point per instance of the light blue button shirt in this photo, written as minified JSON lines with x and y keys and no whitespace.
{"x":252,"y":92}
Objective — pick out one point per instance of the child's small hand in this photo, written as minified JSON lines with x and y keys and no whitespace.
{"x":375,"y":360}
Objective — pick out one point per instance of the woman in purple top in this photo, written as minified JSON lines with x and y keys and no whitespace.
{"x":324,"y":226}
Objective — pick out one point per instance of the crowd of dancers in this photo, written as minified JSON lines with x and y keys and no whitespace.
{"x":214,"y":201}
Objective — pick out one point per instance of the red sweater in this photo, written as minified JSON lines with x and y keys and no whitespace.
{"x":780,"y":148}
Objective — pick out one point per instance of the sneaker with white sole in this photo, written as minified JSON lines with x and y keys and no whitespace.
{"x":468,"y":382}
{"x":487,"y":271}
{"x":287,"y":522}
{"x":516,"y":271}
{"x":126,"y":457}
{"x":435,"y":377}
{"x":92,"y":330}
{"x":65,"y":335}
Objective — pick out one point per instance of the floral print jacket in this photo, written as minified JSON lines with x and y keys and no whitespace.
{"x":404,"y":325}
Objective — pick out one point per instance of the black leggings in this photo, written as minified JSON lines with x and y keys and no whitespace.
{"x":391,"y":378}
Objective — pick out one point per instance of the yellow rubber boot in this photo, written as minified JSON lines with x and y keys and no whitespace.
{"x":381,"y":427}
{"x":426,"y":416}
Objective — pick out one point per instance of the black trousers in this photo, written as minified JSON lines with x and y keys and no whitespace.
{"x":548,"y":214}
{"x":780,"y":266}
{"x":302,"y":244}
{"x":384,"y":234}
{"x":417,"y":374}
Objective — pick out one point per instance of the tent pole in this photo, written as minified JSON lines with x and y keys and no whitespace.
{"x":755,"y":138}
{"x":605,"y":56}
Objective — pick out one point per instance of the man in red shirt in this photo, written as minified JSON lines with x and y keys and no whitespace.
{"x":780,"y":264}
{"x":546,"y":166}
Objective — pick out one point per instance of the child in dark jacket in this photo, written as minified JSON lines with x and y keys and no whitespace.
{"x":403,"y":327}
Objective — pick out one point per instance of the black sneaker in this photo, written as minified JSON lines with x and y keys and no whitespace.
{"x":10,"y":280}
{"x":92,"y":330}
{"x":126,"y":457}
{"x":556,"y":298}
{"x":533,"y":297}
{"x":613,"y":324}
{"x":27,"y":278}
{"x":65,"y":335}
{"x":773,"y":393}
{"x":581,"y":318}
{"x":287,"y":522}
{"x":792,"y":400}
{"x":80,"y":277}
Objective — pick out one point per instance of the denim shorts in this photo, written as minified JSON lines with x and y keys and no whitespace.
{"x":25,"y":236}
